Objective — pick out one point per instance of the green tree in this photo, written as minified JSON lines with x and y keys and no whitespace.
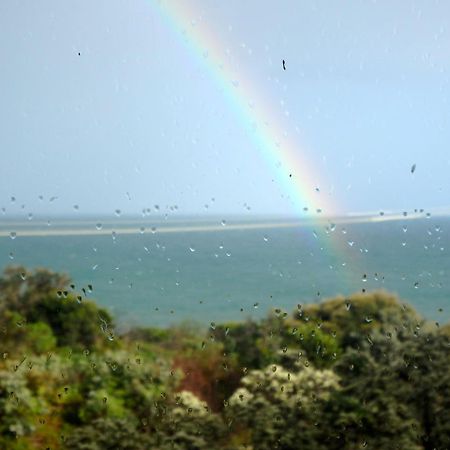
{"x":352,"y":319}
{"x":45,"y":296}
{"x":283,"y":409}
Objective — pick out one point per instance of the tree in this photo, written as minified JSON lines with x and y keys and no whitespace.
{"x":352,"y":319}
{"x":283,"y":409}
{"x":44,"y":296}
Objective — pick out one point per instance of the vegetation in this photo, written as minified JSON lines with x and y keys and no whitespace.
{"x":359,"y":372}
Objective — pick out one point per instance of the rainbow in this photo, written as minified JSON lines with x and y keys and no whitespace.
{"x":263,"y":123}
{"x":266,"y":126}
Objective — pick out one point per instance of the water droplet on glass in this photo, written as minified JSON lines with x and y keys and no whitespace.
{"x":30,"y":216}
{"x":416,"y":285}
{"x":76,"y":207}
{"x":141,"y":230}
{"x":266,"y":239}
{"x":192,"y":249}
{"x":11,"y":255}
{"x":223,"y":222}
{"x":153,"y":230}
{"x":99,"y":226}
{"x":117,"y":212}
{"x":404,"y":228}
{"x":13,"y":235}
{"x":368,"y":319}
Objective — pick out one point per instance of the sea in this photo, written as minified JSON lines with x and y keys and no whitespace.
{"x":158,"y":271}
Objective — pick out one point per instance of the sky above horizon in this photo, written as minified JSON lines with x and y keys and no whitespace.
{"x":111,"y":105}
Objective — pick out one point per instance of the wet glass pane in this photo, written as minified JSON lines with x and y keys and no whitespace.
{"x":224,"y":225}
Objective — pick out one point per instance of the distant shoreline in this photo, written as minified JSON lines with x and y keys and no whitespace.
{"x":88,"y":228}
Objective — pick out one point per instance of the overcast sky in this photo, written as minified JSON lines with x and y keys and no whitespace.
{"x":104,"y":106}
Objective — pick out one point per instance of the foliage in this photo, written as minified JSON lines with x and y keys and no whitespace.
{"x":282,"y":408}
{"x":43,"y":296}
{"x":354,"y":318}
{"x":360,"y":372}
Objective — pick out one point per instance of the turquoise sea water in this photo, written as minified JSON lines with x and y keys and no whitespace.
{"x":157,"y":278}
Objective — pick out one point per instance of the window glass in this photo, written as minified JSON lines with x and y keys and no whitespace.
{"x":224,"y":225}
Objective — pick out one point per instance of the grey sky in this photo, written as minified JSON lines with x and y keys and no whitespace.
{"x":135,"y":112}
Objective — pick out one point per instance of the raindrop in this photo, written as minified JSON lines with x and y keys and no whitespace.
{"x":141,"y":230}
{"x":192,"y":249}
{"x":223,"y":222}
{"x":30,"y":216}
{"x":11,"y":255}
{"x":13,"y":235}
{"x":153,"y":230}
{"x":118,"y":212}
{"x":13,"y":199}
{"x":404,"y":228}
{"x":255,"y":305}
{"x":350,"y":243}
{"x":416,"y":285}
{"x":99,"y":226}
{"x":266,"y":239}
{"x":76,"y":207}
{"x":368,"y":319}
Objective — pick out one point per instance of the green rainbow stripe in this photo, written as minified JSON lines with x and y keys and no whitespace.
{"x":294,"y":172}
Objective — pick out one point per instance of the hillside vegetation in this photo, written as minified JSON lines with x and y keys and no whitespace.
{"x":360,"y":372}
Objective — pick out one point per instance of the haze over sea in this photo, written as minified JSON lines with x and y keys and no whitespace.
{"x":158,"y":272}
